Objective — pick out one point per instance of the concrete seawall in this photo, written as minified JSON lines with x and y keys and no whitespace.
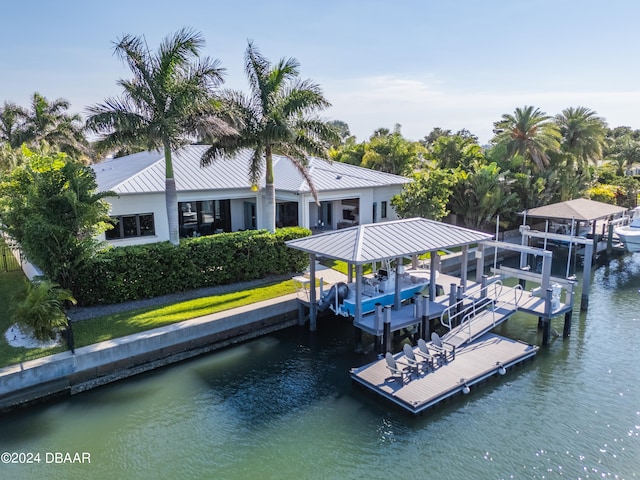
{"x":65,"y":373}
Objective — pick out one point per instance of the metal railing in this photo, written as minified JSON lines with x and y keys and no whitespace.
{"x":457,"y":309}
{"x":494,"y":304}
{"x":484,"y":303}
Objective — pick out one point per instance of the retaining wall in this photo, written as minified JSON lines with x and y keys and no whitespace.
{"x":66,"y":373}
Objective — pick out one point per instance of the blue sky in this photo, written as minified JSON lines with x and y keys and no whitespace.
{"x":422,"y":64}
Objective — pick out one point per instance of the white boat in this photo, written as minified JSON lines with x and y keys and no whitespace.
{"x":630,"y":235}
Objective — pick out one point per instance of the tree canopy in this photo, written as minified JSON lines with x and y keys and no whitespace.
{"x":50,"y":206}
{"x":427,"y":196}
{"x":164,"y":105}
{"x":529,"y":132}
{"x":278,"y":115}
{"x":44,"y":121}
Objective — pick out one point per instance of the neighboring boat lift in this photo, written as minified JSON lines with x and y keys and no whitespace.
{"x":574,"y":215}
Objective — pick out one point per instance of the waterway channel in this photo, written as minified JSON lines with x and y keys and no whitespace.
{"x":283,"y":406}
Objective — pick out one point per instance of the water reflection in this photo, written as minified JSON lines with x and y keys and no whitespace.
{"x":284,"y":406}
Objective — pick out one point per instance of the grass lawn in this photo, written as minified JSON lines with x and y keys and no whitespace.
{"x":341,"y":266}
{"x":108,"y":327}
{"x":104,"y":328}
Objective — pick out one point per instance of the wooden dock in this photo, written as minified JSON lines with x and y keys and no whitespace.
{"x":487,"y":356}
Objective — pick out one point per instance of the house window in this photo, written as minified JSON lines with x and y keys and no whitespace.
{"x":131,"y":226}
{"x":204,"y":217}
{"x":383,"y":209}
{"x":287,"y":214}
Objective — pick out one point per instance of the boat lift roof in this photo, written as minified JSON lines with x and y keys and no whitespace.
{"x":580,"y":209}
{"x":364,"y":244}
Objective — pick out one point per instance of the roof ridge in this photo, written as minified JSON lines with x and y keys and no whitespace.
{"x":359,"y":241}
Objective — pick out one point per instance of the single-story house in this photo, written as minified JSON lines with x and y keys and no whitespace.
{"x":219,"y":197}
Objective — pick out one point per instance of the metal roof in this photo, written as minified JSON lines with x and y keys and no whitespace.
{"x":144,"y":172}
{"x":380,"y":241}
{"x":330,"y":176}
{"x":111,"y":172}
{"x":578,"y":209}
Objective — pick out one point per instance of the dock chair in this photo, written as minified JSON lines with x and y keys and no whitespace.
{"x":397,"y":370}
{"x":423,"y":352}
{"x":447,"y":352}
{"x":413,"y":361}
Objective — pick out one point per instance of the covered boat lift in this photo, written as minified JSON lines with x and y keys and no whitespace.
{"x":577,"y":211}
{"x":376,"y":242}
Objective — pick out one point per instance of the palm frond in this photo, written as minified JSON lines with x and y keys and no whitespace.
{"x":257,"y":70}
{"x":178,"y":50}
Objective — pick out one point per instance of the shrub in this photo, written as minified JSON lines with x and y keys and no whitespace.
{"x":145,"y":271}
{"x":40,"y":307}
{"x":603,"y":193}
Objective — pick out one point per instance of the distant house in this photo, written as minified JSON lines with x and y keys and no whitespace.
{"x":219,"y":198}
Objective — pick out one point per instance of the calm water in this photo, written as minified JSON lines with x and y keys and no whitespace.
{"x":284,"y":406}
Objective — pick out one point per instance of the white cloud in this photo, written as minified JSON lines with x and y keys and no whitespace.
{"x":421,"y":104}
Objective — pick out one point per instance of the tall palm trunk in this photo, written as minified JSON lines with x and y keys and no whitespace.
{"x":270,"y":191}
{"x":171,"y":196}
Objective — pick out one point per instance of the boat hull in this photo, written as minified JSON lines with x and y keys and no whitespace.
{"x":369,"y":303}
{"x":630,"y":237}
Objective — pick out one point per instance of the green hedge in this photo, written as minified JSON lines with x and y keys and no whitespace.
{"x":144,"y":271}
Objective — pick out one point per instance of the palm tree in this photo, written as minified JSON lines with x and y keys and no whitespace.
{"x":49,"y":121}
{"x":276,"y":117}
{"x":392,"y":153}
{"x":10,"y":124}
{"x":481,"y":194}
{"x":624,"y":154}
{"x":161,"y":103}
{"x":583,"y":133}
{"x":528,"y":133}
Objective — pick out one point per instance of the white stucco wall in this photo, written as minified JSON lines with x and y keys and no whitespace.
{"x":384,"y":194}
{"x":307,"y":209}
{"x":141,"y":204}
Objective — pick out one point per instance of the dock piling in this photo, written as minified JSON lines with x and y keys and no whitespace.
{"x":546,"y":331}
{"x":312,"y":293}
{"x":586,"y":277}
{"x":378,"y":323}
{"x":459,"y":297}
{"x":386,"y":335}
{"x":426,"y":334}
{"x":546,"y":320}
{"x":567,"y":324}
{"x":453,"y":294}
{"x":301,"y":314}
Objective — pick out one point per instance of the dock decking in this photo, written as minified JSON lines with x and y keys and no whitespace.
{"x":487,"y":356}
